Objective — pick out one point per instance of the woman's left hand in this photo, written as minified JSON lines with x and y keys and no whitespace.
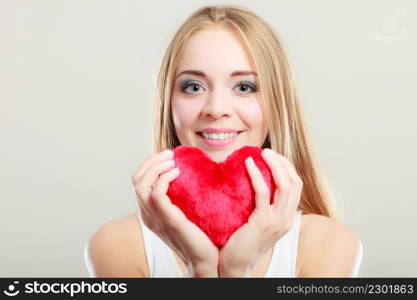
{"x":268,"y":222}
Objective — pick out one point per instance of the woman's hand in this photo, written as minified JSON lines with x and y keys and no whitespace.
{"x":165,"y":219}
{"x":268,"y":222}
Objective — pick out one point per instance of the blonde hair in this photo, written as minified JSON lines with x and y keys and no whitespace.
{"x":288,"y":134}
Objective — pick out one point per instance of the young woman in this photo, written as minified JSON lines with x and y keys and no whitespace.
{"x":224,"y":83}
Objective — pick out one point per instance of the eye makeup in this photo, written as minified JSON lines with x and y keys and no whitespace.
{"x":249,"y":84}
{"x":187,"y":83}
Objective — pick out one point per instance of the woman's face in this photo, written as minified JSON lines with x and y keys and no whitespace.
{"x":215,"y":103}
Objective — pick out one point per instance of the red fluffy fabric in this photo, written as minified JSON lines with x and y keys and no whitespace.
{"x":217,"y":197}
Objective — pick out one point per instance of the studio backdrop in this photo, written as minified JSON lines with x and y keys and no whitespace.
{"x":77,"y":87}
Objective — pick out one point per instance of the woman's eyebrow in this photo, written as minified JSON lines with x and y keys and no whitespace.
{"x":200,"y":73}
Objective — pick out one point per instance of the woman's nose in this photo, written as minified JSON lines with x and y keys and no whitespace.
{"x":217,"y":106}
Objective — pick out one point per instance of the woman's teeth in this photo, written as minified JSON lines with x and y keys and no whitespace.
{"x":218,"y":136}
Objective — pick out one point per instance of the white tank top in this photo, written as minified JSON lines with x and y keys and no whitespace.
{"x":162,"y":262}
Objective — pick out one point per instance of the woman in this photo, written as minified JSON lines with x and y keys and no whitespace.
{"x":225,"y":83}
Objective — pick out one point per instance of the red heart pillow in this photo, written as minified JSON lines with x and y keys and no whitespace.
{"x":217,"y":197}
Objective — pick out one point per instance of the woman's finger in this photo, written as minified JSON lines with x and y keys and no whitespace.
{"x":294,"y":177}
{"x":295,"y":180}
{"x":159,"y":196}
{"x":149,"y":162}
{"x":149,"y":178}
{"x":262,"y":192}
{"x":282,"y":196}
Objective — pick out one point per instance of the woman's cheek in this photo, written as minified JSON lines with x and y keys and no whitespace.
{"x":251,"y":113}
{"x":185,"y":112}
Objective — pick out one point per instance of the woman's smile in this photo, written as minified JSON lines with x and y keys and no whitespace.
{"x":219,"y":137}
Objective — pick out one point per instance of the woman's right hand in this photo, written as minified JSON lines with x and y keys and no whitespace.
{"x":167,"y":220}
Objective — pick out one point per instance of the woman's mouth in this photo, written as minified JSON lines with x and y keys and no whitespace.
{"x":218,"y":139}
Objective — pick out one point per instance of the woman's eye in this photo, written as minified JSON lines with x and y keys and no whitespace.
{"x":195,"y":87}
{"x":246,"y":87}
{"x":191,"y":87}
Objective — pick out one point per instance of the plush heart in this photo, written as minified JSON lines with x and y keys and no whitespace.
{"x":217,"y":197}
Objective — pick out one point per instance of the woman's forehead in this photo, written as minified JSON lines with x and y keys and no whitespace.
{"x":215,"y":51}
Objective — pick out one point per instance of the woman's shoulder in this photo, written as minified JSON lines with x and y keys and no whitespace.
{"x":116,"y":249}
{"x":319,"y":222}
{"x":328,"y":248}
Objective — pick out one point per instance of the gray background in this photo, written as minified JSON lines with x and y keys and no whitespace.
{"x":77,"y":80}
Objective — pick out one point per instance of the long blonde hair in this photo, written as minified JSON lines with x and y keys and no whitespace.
{"x":288,"y":134}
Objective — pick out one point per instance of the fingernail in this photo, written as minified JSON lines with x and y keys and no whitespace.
{"x":170,"y":162}
{"x":167,"y":153}
{"x":175,"y":170}
{"x":250,"y":160}
{"x":268,"y":151}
